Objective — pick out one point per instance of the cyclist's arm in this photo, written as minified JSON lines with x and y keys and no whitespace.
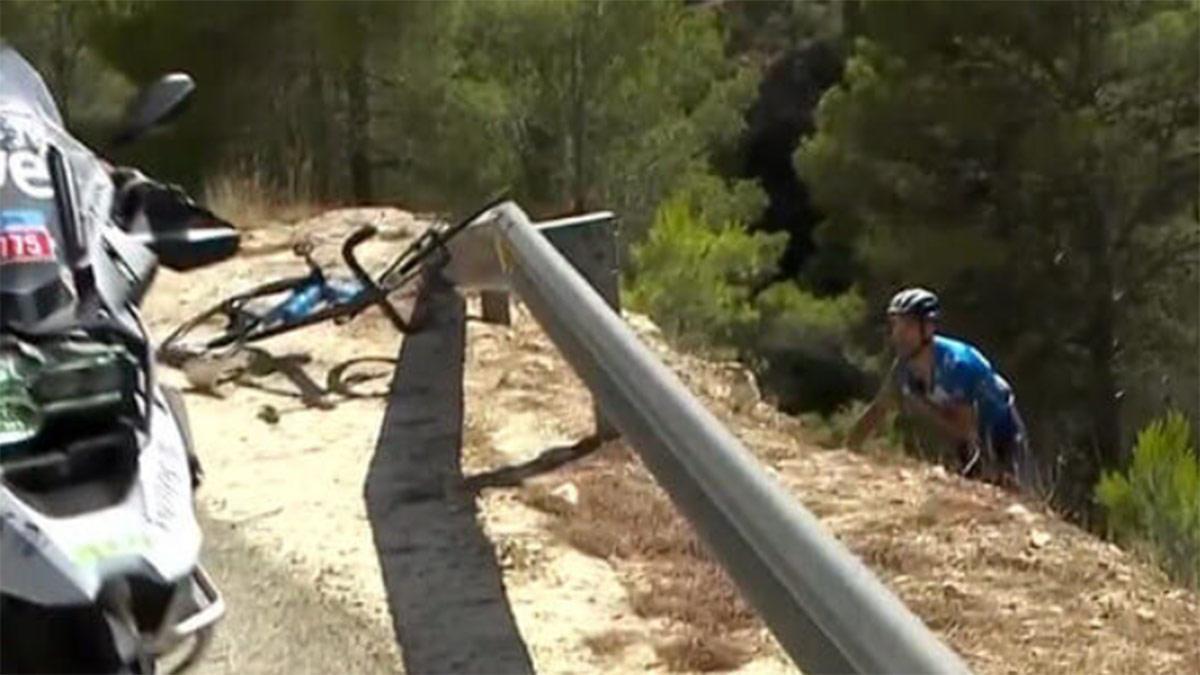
{"x":884,"y":401}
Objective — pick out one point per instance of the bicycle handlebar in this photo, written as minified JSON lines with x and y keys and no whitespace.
{"x":375,"y":293}
{"x":434,"y":240}
{"x":429,"y":242}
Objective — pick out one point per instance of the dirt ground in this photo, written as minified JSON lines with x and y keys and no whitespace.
{"x":600,"y":573}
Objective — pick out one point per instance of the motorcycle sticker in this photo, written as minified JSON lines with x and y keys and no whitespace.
{"x":24,"y":237}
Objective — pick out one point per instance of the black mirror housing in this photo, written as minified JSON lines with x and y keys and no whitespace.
{"x":156,"y":104}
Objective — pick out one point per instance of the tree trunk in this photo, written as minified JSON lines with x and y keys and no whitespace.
{"x":62,"y":61}
{"x":318,"y":113}
{"x":1106,"y":406}
{"x":1099,"y":247}
{"x":579,"y":182}
{"x":853,"y":20}
{"x":358,"y":136}
{"x":1101,"y":343}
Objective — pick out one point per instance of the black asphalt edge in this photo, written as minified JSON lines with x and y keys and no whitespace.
{"x":444,"y":586}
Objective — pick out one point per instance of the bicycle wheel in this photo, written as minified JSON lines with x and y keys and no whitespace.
{"x":377,"y":371}
{"x":226,"y":324}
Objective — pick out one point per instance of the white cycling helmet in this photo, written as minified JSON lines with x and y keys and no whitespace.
{"x":916,"y":302}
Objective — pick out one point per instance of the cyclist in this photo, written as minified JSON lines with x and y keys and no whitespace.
{"x":951,"y":384}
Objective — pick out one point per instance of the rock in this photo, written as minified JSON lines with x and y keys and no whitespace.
{"x":567,"y":492}
{"x":1019,"y":512}
{"x":642,"y":325}
{"x":952,"y":590}
{"x":268,"y":414}
{"x":1039,"y":539}
{"x":744,"y":393}
{"x":939,"y":473}
{"x":204,"y":373}
{"x":1145,"y":614}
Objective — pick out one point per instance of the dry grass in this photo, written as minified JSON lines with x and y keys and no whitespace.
{"x":611,"y":642}
{"x":621,"y":514}
{"x":1004,"y":582}
{"x":248,"y":202}
{"x":697,"y":593}
{"x":1018,"y":590}
{"x":482,"y":456}
{"x":703,"y":653}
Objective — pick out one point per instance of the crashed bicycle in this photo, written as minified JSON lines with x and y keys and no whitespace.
{"x":208,"y":345}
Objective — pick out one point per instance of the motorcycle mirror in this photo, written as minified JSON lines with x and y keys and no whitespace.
{"x":184,"y":242}
{"x":154,"y":105}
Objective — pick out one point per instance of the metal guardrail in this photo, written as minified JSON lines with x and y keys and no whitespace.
{"x":824,"y":606}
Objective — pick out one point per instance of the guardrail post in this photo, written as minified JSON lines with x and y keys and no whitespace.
{"x":590,"y":245}
{"x":494,"y":307}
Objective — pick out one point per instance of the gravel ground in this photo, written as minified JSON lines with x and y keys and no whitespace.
{"x":276,"y":624}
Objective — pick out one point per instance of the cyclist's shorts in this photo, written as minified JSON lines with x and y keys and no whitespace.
{"x":1009,"y":440}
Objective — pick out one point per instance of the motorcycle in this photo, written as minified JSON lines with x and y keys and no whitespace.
{"x":99,"y":540}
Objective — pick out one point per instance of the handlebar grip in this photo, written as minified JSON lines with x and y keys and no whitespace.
{"x":377,"y":294}
{"x":356,"y":238}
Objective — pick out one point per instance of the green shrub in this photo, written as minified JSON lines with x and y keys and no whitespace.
{"x":1156,"y":501}
{"x":694,"y":277}
{"x":696,"y":274}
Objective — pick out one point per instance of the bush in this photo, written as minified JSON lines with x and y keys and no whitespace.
{"x":1156,"y":502}
{"x":792,"y":316}
{"x":694,"y":277}
{"x":804,"y":340}
{"x":696,"y":274}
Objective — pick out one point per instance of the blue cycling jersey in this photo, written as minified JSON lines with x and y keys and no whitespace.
{"x":962,"y":375}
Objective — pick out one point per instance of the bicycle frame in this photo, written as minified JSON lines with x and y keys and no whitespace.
{"x":332,"y":311}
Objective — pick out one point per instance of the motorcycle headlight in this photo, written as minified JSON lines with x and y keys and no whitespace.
{"x":85,"y":377}
{"x":64,"y":386}
{"x":20,"y":414}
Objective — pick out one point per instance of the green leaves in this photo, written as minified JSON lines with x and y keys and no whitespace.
{"x":795,"y":319}
{"x":1157,"y":500}
{"x":697,"y":277}
{"x":694,"y":276}
{"x":612,"y":104}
